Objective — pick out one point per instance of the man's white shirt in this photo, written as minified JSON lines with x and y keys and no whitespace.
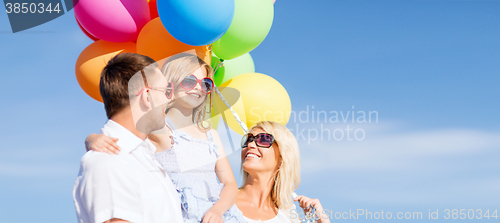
{"x":131,"y":186}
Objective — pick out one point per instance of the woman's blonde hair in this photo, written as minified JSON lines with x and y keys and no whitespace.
{"x":287,"y":177}
{"x":178,"y":67}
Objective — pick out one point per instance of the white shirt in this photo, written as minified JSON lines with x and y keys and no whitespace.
{"x":131,"y":186}
{"x":281,"y":217}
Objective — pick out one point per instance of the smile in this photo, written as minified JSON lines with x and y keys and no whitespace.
{"x":194,"y":95}
{"x":252,"y":155}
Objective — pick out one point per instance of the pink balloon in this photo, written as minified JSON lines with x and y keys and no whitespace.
{"x":113,"y":20}
{"x":274,"y":1}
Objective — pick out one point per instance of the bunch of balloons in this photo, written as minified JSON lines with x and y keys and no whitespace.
{"x":218,"y":30}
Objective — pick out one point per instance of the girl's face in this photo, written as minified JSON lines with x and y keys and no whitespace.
{"x":257,"y":159}
{"x":194,"y":97}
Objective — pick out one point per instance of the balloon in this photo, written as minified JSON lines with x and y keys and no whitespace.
{"x":274,"y":1}
{"x":85,"y":31}
{"x":221,"y":110}
{"x":155,"y":41}
{"x":232,"y":96}
{"x":251,"y":24}
{"x":153,"y":9}
{"x":232,"y":68}
{"x":262,"y":98}
{"x":113,"y":20}
{"x":196,"y":22}
{"x":93,"y":59}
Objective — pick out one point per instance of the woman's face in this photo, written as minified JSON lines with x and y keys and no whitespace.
{"x":194,"y":97}
{"x":258,"y":159}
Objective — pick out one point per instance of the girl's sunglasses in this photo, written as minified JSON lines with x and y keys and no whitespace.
{"x":207,"y":84}
{"x":264,"y":140}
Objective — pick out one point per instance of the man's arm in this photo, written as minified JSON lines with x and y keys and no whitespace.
{"x":108,"y":189}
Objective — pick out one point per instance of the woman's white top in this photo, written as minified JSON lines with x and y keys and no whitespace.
{"x":283,"y":216}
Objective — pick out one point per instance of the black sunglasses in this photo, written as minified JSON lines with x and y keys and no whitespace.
{"x":264,"y":140}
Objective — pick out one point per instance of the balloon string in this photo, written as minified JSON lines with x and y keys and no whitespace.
{"x":243,"y":126}
{"x":220,"y":63}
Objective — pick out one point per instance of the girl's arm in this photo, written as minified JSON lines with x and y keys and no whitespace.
{"x":102,"y":143}
{"x":162,"y":139}
{"x":106,"y":144}
{"x":230,"y":189}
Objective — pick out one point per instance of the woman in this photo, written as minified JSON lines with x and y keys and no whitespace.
{"x":271,"y":172}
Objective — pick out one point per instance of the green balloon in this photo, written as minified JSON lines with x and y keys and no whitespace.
{"x":232,"y":68}
{"x":251,"y":23}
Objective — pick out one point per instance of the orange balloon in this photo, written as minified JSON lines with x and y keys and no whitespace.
{"x":93,"y":59}
{"x":155,"y":41}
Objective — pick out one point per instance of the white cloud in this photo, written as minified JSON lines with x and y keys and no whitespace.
{"x":41,"y":162}
{"x":393,"y":150}
{"x":386,"y":147}
{"x":44,"y":170}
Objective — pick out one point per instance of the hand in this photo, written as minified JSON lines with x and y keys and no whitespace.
{"x":102,"y":143}
{"x":305,"y":202}
{"x":212,"y":216}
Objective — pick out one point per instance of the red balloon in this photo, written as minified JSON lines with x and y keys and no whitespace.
{"x":153,"y":8}
{"x":85,"y":31}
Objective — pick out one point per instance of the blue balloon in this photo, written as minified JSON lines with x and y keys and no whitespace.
{"x":196,"y":22}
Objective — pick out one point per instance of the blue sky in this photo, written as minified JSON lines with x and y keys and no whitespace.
{"x":428,"y":68}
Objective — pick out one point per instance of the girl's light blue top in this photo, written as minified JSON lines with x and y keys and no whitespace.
{"x":190,"y":163}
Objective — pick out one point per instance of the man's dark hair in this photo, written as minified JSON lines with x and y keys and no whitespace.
{"x":115,"y":77}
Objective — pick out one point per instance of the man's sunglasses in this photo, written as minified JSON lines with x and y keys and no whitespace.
{"x":207,"y":84}
{"x":167,"y":90}
{"x":264,"y":140}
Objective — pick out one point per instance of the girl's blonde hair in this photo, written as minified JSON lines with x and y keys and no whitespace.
{"x":178,"y":67}
{"x":287,"y":177}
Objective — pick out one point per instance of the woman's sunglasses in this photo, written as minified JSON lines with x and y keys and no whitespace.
{"x":207,"y":84}
{"x":264,"y":140}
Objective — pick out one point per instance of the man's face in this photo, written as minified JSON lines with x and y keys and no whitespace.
{"x":159,"y":85}
{"x":159,"y":100}
{"x":151,"y":116}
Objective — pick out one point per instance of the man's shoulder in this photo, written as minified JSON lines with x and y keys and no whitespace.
{"x":103,"y":167}
{"x":99,"y":161}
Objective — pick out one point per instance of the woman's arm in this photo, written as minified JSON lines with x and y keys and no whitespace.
{"x":102,"y":143}
{"x":305,"y":202}
{"x":226,"y":177}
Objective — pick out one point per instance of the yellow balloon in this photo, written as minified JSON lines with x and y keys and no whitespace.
{"x":261,"y":98}
{"x":220,"y":109}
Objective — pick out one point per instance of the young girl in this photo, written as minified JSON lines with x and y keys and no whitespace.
{"x":191,"y":152}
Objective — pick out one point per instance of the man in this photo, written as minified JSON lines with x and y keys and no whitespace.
{"x":130,"y":186}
